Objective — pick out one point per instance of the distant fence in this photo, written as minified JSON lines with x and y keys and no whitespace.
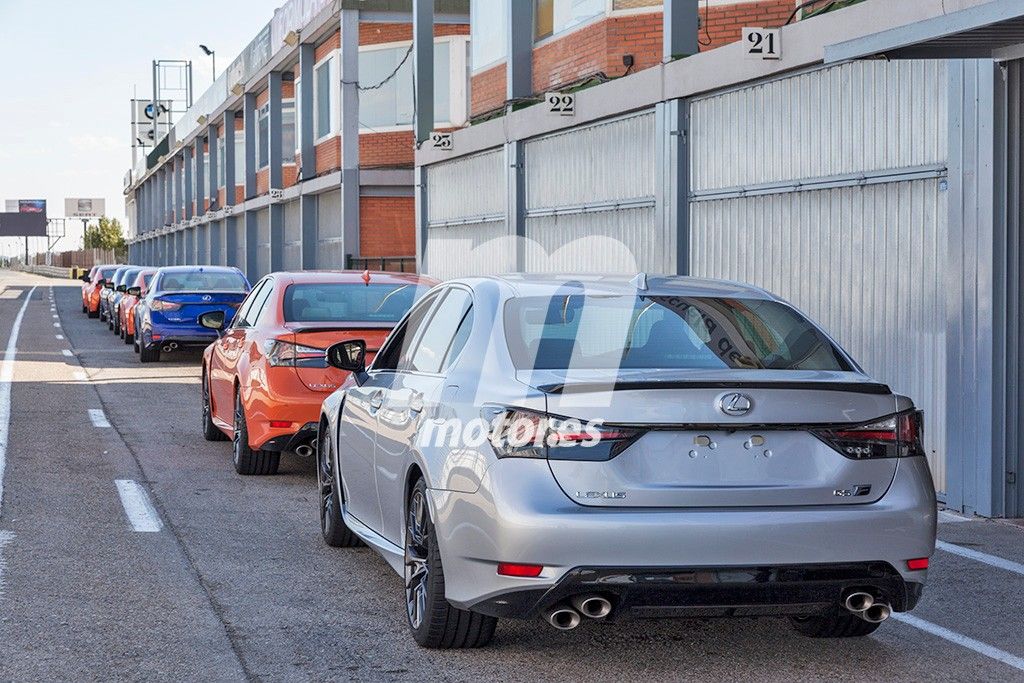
{"x":48,"y":271}
{"x":394,"y":264}
{"x":82,"y":258}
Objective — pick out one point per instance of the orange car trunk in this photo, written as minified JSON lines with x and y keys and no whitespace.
{"x":320,"y":337}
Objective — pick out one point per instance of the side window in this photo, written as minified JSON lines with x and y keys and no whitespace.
{"x":397,"y":346}
{"x":437,"y":338}
{"x":459,"y":342}
{"x":260,"y":316}
{"x":242,"y":317}
{"x":252,"y":317}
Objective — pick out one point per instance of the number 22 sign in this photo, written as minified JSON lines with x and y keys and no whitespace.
{"x":762,"y":43}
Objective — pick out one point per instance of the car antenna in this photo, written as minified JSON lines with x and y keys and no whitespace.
{"x":366,"y":277}
{"x":640,"y":281}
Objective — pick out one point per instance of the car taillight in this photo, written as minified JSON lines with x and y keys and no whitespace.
{"x":280,"y":352}
{"x":517,"y":433}
{"x":896,"y":436}
{"x":164,"y":305}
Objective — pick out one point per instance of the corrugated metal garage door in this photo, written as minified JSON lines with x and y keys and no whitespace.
{"x":330,"y":247}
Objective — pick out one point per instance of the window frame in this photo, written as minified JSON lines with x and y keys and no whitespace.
{"x":430,"y":319}
{"x":243,"y":310}
{"x":333,"y":92}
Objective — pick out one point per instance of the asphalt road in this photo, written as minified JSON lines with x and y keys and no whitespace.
{"x":236,"y":584}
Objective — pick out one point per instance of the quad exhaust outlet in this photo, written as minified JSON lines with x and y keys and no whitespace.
{"x":566,"y":616}
{"x":169,"y":347}
{"x":592,"y":606}
{"x":563,"y":617}
{"x":305,"y":450}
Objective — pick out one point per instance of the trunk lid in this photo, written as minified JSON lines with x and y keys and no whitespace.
{"x":692,"y":454}
{"x":322,"y":335}
{"x":194,"y":304}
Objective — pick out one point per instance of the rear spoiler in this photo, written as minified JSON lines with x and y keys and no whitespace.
{"x":582,"y":387}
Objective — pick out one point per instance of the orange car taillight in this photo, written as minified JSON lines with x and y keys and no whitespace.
{"x":896,"y":436}
{"x":280,"y":352}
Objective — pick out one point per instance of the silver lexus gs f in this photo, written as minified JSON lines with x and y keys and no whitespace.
{"x":582,"y":448}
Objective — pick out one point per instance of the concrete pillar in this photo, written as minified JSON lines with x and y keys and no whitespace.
{"x":230,"y":257}
{"x":672,"y":182}
{"x":200,"y":176}
{"x":249,"y":115}
{"x":519,"y":72}
{"x":681,"y":25}
{"x":307,"y":150}
{"x":349,"y":134}
{"x":214,"y":183}
{"x":515,"y":187}
{"x":422,"y":219}
{"x":275,"y":126}
{"x":229,"y":160}
{"x":423,"y":66}
{"x":186,"y":160}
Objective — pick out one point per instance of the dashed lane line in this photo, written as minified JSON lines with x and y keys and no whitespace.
{"x":992,"y":560}
{"x":67,"y":353}
{"x":98,"y":418}
{"x":137,"y":507}
{"x":6,"y":379}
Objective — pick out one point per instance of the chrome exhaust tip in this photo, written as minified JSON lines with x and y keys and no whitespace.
{"x":167,"y":348}
{"x":563,"y":618}
{"x":592,"y":606}
{"x":305,"y":450}
{"x":877,"y":613}
{"x":858,"y":601}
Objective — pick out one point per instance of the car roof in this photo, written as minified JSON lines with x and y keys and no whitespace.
{"x":523,"y":284}
{"x":377,"y":277}
{"x":199,"y":269}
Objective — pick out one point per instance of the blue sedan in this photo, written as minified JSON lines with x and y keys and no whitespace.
{"x":167,"y":318}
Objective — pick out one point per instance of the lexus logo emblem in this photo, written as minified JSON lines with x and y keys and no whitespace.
{"x":735,"y":405}
{"x":207,"y":297}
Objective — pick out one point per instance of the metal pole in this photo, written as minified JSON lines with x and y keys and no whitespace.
{"x":423,"y":66}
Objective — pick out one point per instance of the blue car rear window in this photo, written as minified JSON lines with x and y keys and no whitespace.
{"x":202,"y":282}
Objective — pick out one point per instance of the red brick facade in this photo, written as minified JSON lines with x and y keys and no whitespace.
{"x":387,"y":226}
{"x":382,"y":150}
{"x":599,"y":47}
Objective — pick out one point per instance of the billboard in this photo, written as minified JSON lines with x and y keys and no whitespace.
{"x":84,"y":207}
{"x":143,"y":117}
{"x":27,"y":219}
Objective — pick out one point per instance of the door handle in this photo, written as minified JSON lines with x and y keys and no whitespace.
{"x":416,"y":403}
{"x":377,"y":400}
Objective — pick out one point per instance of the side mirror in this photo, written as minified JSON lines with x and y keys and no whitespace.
{"x":348,"y":355}
{"x":212,"y":320}
{"x":134,"y":291}
{"x":85,"y":278}
{"x":108,"y":285}
{"x":120,"y":288}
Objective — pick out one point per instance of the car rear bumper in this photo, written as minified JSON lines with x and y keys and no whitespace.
{"x":306,"y":436}
{"x":520,"y":515}
{"x":183,"y":335}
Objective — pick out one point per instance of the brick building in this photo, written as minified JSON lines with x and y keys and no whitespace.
{"x":580,"y":39}
{"x":276,"y":187}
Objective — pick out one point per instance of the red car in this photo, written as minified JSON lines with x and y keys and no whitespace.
{"x":265,"y":378}
{"x":94,"y":282}
{"x":126,"y":309}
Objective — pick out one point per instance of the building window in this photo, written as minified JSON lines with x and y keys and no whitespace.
{"x":239,"y":157}
{"x":322,"y":99}
{"x":263,"y":137}
{"x":555,"y":16}
{"x":488,"y":28}
{"x":288,"y":131}
{"x":392,"y":103}
{"x":206,"y":172}
{"x":220,"y":161}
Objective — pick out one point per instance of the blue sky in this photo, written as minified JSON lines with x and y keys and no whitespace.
{"x":70,"y":67}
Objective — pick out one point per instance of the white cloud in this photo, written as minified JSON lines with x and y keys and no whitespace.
{"x":95,"y":143}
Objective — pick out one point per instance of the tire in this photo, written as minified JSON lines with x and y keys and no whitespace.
{"x":332,"y":526}
{"x":93,"y":314}
{"x":85,"y":309}
{"x":434,"y":622}
{"x":149,"y":355}
{"x":210,"y":431}
{"x":110,"y":322}
{"x":116,"y":325}
{"x":247,"y":460}
{"x":136,"y":345}
{"x":128,"y":339}
{"x":833,"y":624}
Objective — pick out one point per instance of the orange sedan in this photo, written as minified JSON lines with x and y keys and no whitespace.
{"x":126,"y":310}
{"x":94,"y":282}
{"x":264,"y":380}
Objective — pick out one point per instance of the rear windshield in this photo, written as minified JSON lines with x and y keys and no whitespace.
{"x":127,"y":276}
{"x":340,"y":302}
{"x":202,"y":282}
{"x":577,"y":331}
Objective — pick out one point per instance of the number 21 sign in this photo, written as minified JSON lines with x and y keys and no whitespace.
{"x":762,"y":43}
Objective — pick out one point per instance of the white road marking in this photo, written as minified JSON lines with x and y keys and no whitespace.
{"x":56,"y":316}
{"x":67,"y":352}
{"x":947,"y":516}
{"x":5,"y":538}
{"x":60,"y":337}
{"x":6,"y":379}
{"x":140,"y":511}
{"x":80,"y":376}
{"x":56,"y":324}
{"x":961,"y":640}
{"x":98,"y":419}
{"x":1008,"y":565}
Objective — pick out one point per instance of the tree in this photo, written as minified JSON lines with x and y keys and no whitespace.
{"x":106,"y":235}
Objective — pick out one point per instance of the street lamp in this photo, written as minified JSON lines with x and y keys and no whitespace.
{"x":213,"y":55}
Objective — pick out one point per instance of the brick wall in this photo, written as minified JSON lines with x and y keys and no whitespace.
{"x":386,"y":149}
{"x":375,"y":33}
{"x":601,"y":45}
{"x":387,"y":226}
